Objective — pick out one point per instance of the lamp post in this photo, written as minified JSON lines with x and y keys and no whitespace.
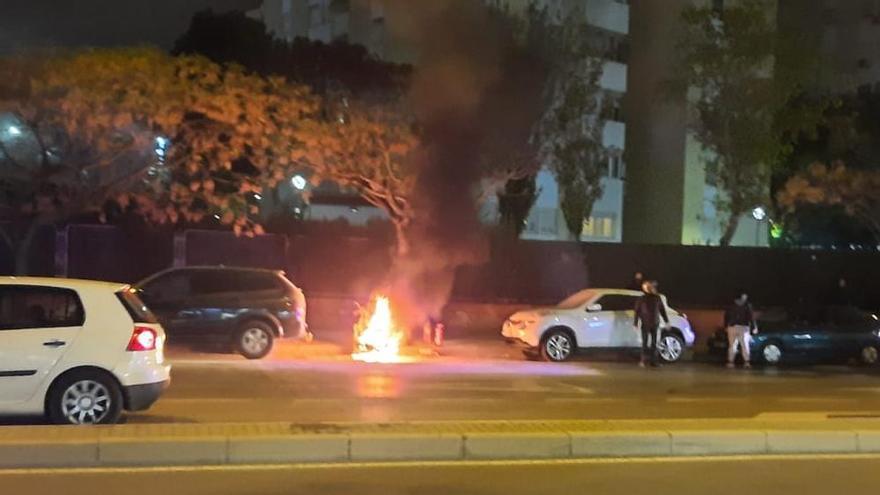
{"x":759,"y":213}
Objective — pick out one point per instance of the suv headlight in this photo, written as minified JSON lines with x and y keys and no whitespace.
{"x":522,"y":324}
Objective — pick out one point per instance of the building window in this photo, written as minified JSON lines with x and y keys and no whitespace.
{"x":543,"y":222}
{"x":316,"y":15}
{"x":610,"y":107}
{"x":599,"y":226}
{"x":616,"y":166}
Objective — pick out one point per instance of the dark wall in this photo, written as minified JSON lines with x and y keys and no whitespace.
{"x":338,"y":265}
{"x":521,"y":272}
{"x":214,"y":247}
{"x":41,"y":258}
{"x":544,"y":272}
{"x":105,"y":252}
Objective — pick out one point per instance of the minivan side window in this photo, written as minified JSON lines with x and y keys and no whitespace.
{"x":259,"y":281}
{"x":227,"y":281}
{"x":23,"y":307}
{"x":168,"y":287}
{"x":213,"y":282}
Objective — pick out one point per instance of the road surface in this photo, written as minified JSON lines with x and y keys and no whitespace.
{"x":312,"y":383}
{"x":735,"y":476}
{"x":489,"y":381}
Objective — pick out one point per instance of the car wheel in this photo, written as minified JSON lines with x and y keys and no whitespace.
{"x":254,"y":339}
{"x":870,"y":355}
{"x":670,"y":347}
{"x":84,"y":397}
{"x":772,"y":353}
{"x":557,"y":345}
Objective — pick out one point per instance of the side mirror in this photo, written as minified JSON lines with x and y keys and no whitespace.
{"x":592,"y":308}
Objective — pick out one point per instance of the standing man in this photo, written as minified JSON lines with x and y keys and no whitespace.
{"x":637,"y":281}
{"x":739,"y":320}
{"x":649,"y":309}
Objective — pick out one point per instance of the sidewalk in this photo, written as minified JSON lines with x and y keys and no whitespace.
{"x":274,"y":443}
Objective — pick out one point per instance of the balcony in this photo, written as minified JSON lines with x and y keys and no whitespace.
{"x":613,"y":76}
{"x":614,"y":135}
{"x":611,"y":15}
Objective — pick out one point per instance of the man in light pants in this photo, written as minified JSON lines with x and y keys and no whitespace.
{"x":739,"y":320}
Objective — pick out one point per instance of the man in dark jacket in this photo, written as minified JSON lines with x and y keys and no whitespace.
{"x":649,"y":309}
{"x":739,"y":320}
{"x":637,"y":281}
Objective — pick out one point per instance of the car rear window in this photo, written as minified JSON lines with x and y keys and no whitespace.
{"x":23,"y":307}
{"x":136,"y":308}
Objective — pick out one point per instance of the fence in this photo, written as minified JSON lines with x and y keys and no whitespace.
{"x":533,"y":272}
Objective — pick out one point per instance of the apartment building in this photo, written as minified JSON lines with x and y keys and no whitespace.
{"x":370,"y":23}
{"x":670,"y":196}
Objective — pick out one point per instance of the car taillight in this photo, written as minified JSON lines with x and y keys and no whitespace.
{"x":142,"y":339}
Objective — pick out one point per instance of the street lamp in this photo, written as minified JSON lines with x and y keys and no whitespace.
{"x":162,"y":144}
{"x":298,"y":182}
{"x":759,"y":213}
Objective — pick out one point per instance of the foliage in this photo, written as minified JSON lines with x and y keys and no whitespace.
{"x":743,"y":78}
{"x":515,"y":202}
{"x":90,"y":121}
{"x":836,"y":186}
{"x":338,"y":66}
{"x":365,"y":133}
{"x":848,"y":134}
{"x":569,"y":133}
{"x":368,"y":148}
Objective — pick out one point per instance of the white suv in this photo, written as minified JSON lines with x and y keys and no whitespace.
{"x":77,"y":351}
{"x":594,"y":318}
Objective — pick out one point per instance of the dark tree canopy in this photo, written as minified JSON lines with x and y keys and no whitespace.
{"x":234,"y":37}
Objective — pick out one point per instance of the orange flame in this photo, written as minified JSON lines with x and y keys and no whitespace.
{"x":378,"y":340}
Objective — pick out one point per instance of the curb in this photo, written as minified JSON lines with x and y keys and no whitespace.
{"x":175,"y":445}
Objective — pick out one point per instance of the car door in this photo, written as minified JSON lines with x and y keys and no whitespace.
{"x":37,"y":327}
{"x":217,"y":295}
{"x":851,"y":331}
{"x":811,"y":334}
{"x":606,"y":321}
{"x":623,"y":333}
{"x":170,"y":297}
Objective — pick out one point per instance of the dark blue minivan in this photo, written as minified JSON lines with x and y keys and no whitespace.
{"x":246,"y":308}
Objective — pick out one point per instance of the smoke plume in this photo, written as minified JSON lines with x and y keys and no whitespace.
{"x":472,"y":89}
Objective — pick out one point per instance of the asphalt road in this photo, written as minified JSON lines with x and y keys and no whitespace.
{"x":734,"y":476}
{"x":490,"y":381}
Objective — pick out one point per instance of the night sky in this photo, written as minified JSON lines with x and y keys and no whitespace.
{"x":40,"y":23}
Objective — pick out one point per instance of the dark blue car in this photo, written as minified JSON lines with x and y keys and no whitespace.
{"x":244,"y":308}
{"x":817,"y":335}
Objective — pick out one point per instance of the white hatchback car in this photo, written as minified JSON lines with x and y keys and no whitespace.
{"x":595,"y":319}
{"x":77,"y":351}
